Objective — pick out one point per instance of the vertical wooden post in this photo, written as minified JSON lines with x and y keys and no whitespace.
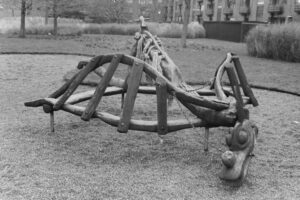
{"x":206,"y":139}
{"x":52,"y":121}
{"x":95,"y":100}
{"x":162,"y":95}
{"x":243,"y":80}
{"x":58,"y":93}
{"x":122,"y":100}
{"x":241,"y":115}
{"x":132,"y":90}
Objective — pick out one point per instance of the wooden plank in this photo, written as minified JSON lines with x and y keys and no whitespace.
{"x":133,"y":86}
{"x":58,"y":93}
{"x":243,"y":80}
{"x":95,"y":100}
{"x":162,"y":105}
{"x":241,"y":115}
{"x":94,"y":63}
{"x":83,"y":96}
{"x":52,"y":122}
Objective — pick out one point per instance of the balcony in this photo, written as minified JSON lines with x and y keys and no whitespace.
{"x":297,"y":8}
{"x":227,"y":11}
{"x":275,"y":9}
{"x":209,"y":12}
{"x":244,"y":10}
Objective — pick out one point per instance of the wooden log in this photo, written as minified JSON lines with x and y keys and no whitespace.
{"x":94,"y":63}
{"x":77,"y":98}
{"x":52,"y":122}
{"x":83,"y":96}
{"x":139,"y":125}
{"x":58,"y":93}
{"x":133,"y":85}
{"x":36,"y":103}
{"x":118,"y":82}
{"x":201,"y":101}
{"x":241,"y":115}
{"x":243,"y":80}
{"x":216,"y":72}
{"x":211,"y":117}
{"x":217,"y":84}
{"x":94,"y":102}
{"x":122,"y":100}
{"x":162,"y":105}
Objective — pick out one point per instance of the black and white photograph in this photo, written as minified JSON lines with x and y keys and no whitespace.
{"x":150,"y":99}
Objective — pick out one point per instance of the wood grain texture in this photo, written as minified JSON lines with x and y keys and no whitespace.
{"x":133,"y":86}
{"x":243,"y":81}
{"x":162,"y":105}
{"x":100,"y":90}
{"x":94,"y":63}
{"x":241,"y":115}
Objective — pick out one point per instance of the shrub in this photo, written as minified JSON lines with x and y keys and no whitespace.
{"x":195,"y":30}
{"x":278,"y":41}
{"x":36,"y":26}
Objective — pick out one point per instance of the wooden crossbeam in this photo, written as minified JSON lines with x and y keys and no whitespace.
{"x":94,"y":63}
{"x":162,"y":96}
{"x":241,"y":115}
{"x":58,"y":93}
{"x":243,"y":81}
{"x":133,"y":86}
{"x":100,"y":90}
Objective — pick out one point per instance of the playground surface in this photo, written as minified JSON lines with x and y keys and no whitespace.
{"x":91,"y":160}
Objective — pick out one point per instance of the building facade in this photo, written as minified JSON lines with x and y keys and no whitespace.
{"x":233,"y":10}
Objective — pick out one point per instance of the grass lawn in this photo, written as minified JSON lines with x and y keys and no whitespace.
{"x":197,"y":62}
{"x":91,"y":160}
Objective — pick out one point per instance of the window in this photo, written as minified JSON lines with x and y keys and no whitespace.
{"x":260,"y":2}
{"x":260,"y":10}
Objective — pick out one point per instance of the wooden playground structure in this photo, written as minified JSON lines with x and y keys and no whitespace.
{"x":213,"y":106}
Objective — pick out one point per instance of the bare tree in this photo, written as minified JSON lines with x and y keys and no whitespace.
{"x":12,"y":5}
{"x":61,"y":6}
{"x":185,"y":23}
{"x":46,"y":4}
{"x":109,"y":10}
{"x":116,"y":10}
{"x":22,"y":33}
{"x":55,"y":16}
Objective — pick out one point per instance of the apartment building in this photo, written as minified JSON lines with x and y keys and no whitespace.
{"x":233,"y":10}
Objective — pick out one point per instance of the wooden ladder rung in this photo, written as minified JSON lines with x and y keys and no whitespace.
{"x":162,"y":96}
{"x":241,"y":114}
{"x":243,"y":80}
{"x":132,"y":90}
{"x":100,"y":90}
{"x":94,"y":63}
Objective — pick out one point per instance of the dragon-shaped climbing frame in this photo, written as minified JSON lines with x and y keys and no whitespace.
{"x":148,"y":56}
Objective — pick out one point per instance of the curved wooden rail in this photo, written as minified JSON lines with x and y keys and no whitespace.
{"x":140,"y":125}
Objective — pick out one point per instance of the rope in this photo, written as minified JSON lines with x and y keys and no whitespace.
{"x":194,"y":128}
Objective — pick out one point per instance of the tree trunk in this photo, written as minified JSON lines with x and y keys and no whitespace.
{"x":13,"y":12}
{"x":46,"y":12}
{"x":185,"y":23}
{"x":23,"y":14}
{"x":55,"y":16}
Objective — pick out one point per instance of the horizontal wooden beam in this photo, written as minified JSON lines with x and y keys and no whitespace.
{"x":139,"y":125}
